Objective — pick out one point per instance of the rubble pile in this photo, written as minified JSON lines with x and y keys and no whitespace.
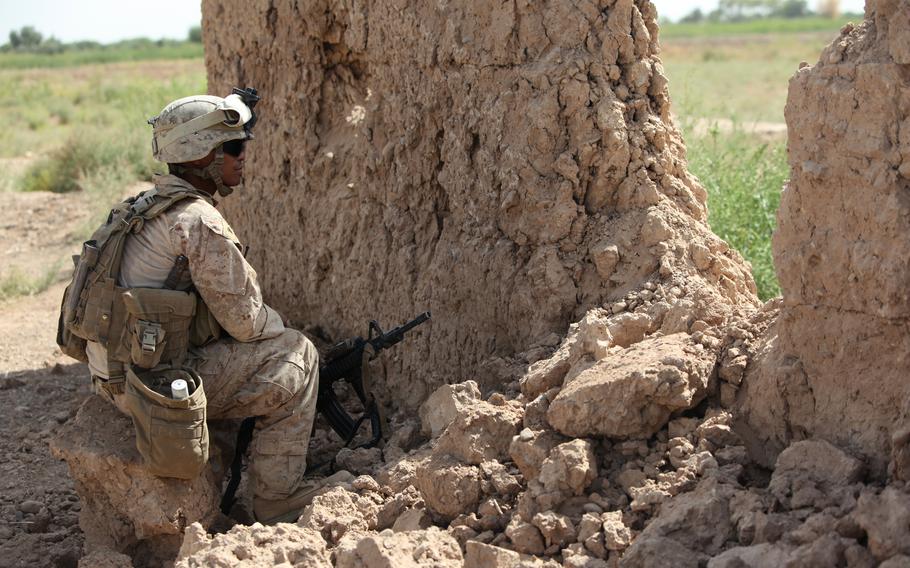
{"x":688,"y":495}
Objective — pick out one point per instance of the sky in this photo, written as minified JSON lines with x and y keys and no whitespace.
{"x":100,"y":20}
{"x":112,"y":20}
{"x":675,"y":9}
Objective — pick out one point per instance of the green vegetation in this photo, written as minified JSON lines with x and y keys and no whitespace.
{"x":17,"y":283}
{"x":83,"y":128}
{"x":766,"y":16}
{"x":744,"y":179}
{"x":28,"y":48}
{"x":130,"y":51}
{"x":723,"y":87}
{"x":90,"y":120}
{"x":743,"y":79}
{"x":714,"y":29}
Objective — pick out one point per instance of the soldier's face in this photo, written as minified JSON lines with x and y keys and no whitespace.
{"x":232,"y":169}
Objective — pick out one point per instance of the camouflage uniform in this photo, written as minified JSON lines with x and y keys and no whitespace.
{"x":263,"y":369}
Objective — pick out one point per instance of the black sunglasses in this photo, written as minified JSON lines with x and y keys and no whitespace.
{"x":233,"y":147}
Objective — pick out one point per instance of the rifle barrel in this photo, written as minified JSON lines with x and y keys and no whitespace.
{"x":392,"y":337}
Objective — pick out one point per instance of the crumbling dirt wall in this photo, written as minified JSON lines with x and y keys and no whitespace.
{"x":837,"y":366}
{"x":506,"y":165}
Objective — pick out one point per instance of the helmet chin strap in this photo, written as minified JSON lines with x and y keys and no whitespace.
{"x":210,"y":172}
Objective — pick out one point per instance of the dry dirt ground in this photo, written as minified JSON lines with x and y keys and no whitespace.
{"x":40,"y":388}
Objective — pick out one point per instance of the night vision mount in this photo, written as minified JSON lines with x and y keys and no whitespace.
{"x":250,"y":97}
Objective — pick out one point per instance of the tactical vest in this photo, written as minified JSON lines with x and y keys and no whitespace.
{"x":146,"y":328}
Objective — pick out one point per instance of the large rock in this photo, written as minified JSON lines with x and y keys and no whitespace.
{"x":253,"y":547}
{"x":479,"y":555}
{"x":507,"y":165}
{"x":429,"y":548}
{"x":813,"y":473}
{"x":886,"y":519}
{"x":124,"y":507}
{"x":481,"y":432}
{"x":530,"y":448}
{"x":763,"y":555}
{"x":631,"y":394}
{"x":448,"y":486}
{"x":336,"y":511}
{"x":690,"y":528}
{"x":445,"y":404}
{"x":840,"y":250}
{"x":569,"y":468}
{"x":588,"y":338}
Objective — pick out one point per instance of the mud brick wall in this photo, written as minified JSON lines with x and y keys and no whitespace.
{"x":506,"y":165}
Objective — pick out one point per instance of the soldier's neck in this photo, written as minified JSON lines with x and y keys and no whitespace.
{"x":202,"y":184}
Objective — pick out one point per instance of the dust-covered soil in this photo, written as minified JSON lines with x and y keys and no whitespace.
{"x":40,"y":388}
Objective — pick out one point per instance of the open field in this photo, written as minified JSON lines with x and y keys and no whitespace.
{"x":112,"y":54}
{"x":743,"y":78}
{"x":85,"y":127}
{"x":775,"y":26}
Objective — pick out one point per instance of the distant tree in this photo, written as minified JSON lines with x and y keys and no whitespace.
{"x":26,"y":38}
{"x":792,"y":9}
{"x":742,"y":9}
{"x":829,"y":8}
{"x":195,"y":35}
{"x":693,"y":17}
{"x":84,"y":44}
{"x":50,"y":45}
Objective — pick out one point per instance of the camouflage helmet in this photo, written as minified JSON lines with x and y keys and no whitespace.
{"x":191,"y":127}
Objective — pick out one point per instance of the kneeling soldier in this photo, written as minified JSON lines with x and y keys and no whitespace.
{"x":164,"y":285}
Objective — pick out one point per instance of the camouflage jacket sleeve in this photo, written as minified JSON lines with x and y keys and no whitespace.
{"x":223,"y":277}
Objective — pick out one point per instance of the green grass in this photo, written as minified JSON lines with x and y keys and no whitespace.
{"x":16,"y":283}
{"x":754,"y":26}
{"x":89,"y":119}
{"x":743,"y":79}
{"x":114,"y":54}
{"x":744,"y":178}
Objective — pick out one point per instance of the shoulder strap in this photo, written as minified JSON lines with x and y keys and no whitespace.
{"x":129,"y":217}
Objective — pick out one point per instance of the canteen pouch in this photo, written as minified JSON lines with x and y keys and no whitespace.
{"x":157,"y":326}
{"x":171,"y":435}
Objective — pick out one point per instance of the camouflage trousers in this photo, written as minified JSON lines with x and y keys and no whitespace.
{"x":275,"y":380}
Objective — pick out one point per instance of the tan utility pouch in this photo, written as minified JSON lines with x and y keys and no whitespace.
{"x":171,"y":435}
{"x":157,"y":326}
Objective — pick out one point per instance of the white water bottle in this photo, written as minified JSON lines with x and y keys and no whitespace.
{"x":179,"y":390}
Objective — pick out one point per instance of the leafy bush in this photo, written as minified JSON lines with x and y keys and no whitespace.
{"x":16,"y":283}
{"x":744,"y":178}
{"x":69,"y":167}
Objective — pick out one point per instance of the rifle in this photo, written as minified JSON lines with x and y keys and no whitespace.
{"x":344,"y":361}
